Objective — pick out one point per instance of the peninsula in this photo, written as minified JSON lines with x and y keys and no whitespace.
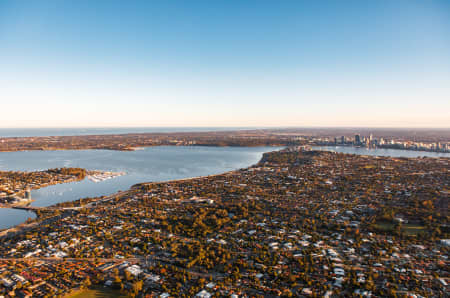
{"x":15,"y":186}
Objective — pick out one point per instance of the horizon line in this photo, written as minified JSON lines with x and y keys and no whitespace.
{"x":232,"y":127}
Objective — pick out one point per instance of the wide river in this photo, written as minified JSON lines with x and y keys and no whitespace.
{"x":150,"y":164}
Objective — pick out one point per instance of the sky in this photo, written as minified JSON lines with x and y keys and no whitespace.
{"x":224,"y":63}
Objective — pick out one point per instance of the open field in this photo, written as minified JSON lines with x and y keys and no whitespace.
{"x":98,"y":292}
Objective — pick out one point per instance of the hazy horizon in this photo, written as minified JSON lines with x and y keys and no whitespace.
{"x":225,"y":64}
{"x":230,"y":127}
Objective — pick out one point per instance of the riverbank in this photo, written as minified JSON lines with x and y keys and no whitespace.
{"x":22,"y":203}
{"x":18,"y":229}
{"x":141,"y":158}
{"x":203,"y":154}
{"x":382,"y":151}
{"x":128,"y":142}
{"x":16,"y":186}
{"x":161,"y":163}
{"x":94,"y":176}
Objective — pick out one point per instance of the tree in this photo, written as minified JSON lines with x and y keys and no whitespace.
{"x":137,"y":286}
{"x":87,"y":282}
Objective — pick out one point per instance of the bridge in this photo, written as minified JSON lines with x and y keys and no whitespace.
{"x":34,"y":208}
{"x":88,"y":205}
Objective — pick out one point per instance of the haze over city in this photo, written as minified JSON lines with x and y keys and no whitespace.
{"x":225,"y":63}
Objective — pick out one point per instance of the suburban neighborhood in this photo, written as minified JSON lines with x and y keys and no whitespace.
{"x":298,"y":223}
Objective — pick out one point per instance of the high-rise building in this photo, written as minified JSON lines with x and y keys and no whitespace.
{"x":357,"y":139}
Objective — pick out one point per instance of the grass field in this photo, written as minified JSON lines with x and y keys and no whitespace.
{"x":99,"y":292}
{"x":408,"y":229}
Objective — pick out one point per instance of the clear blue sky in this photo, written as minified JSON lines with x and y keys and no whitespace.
{"x":225,"y":63}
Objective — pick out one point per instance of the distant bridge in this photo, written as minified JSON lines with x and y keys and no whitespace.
{"x":89,"y":205}
{"x":34,"y":209}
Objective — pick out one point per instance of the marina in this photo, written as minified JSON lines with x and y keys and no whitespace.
{"x":100,"y":176}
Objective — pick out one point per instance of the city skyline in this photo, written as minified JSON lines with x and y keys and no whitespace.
{"x":231,"y":64}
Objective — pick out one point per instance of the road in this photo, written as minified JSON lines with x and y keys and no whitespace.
{"x":138,"y":260}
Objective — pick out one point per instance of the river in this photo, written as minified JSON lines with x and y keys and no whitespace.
{"x":149,"y":164}
{"x":381,"y":151}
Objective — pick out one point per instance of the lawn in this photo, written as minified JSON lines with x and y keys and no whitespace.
{"x":408,"y":229}
{"x":99,"y":292}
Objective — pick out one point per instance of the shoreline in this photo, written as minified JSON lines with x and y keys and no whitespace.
{"x":25,"y":226}
{"x":22,"y":227}
{"x":381,"y":148}
{"x":19,"y":204}
{"x":26,"y":202}
{"x":142,"y":184}
{"x":143,"y":147}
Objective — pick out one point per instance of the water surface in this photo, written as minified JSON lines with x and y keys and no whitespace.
{"x":11,"y":217}
{"x":380,"y":151}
